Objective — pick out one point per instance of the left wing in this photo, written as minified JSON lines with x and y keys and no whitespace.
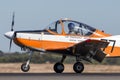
{"x":90,"y":49}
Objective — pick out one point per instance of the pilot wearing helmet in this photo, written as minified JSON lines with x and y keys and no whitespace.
{"x":73,"y":29}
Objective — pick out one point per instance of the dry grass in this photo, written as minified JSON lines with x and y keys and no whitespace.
{"x":48,"y":68}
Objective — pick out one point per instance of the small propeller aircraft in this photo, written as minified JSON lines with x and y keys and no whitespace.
{"x":68,"y":38}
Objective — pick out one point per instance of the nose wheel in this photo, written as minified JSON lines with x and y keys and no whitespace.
{"x":78,"y":67}
{"x":25,"y":67}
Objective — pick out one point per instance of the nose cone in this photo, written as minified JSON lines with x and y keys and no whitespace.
{"x":9,"y":35}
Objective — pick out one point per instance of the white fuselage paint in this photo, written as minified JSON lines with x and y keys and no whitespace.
{"x":67,"y":38}
{"x":57,"y":38}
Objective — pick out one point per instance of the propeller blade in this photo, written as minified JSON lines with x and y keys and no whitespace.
{"x":12,"y":25}
{"x":10,"y":44}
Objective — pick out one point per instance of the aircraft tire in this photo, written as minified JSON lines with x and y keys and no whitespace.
{"x":78,"y":67}
{"x":24,"y":68}
{"x":58,"y":67}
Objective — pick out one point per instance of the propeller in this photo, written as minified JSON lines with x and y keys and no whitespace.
{"x":12,"y":29}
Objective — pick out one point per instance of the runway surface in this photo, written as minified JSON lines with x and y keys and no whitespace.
{"x":63,"y":76}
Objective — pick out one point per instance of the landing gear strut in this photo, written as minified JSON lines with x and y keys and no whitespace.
{"x":59,"y":67}
{"x":25,"y":66}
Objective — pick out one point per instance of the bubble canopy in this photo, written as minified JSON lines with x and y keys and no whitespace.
{"x":63,"y":25}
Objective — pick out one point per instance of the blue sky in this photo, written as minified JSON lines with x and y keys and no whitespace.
{"x":37,"y":14}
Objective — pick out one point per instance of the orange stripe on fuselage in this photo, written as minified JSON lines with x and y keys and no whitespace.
{"x":43,"y":44}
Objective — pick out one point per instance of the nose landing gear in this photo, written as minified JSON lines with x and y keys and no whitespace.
{"x":25,"y":66}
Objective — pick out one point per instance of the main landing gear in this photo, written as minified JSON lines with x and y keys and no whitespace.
{"x":78,"y":67}
{"x":59,"y":67}
{"x":25,"y":66}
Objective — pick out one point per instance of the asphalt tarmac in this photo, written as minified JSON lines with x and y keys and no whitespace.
{"x":56,"y":76}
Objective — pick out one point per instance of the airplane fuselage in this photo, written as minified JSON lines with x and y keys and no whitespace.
{"x":43,"y":41}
